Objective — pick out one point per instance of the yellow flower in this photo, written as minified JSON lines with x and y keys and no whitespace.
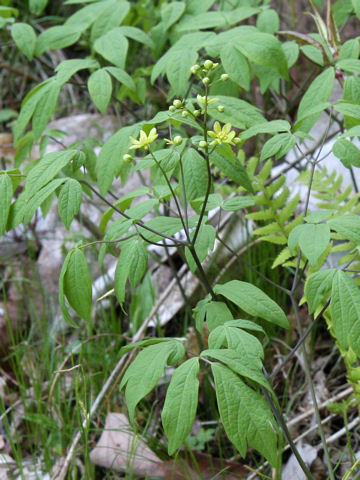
{"x":222,"y":135}
{"x":144,"y":140}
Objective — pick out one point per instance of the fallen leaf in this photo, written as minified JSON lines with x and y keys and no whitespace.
{"x":121,"y":450}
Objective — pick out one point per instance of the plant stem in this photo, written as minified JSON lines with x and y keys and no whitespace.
{"x":280,"y":419}
{"x":138,"y":223}
{"x":202,"y":273}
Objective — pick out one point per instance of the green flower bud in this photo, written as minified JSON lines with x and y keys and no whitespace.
{"x":202,"y":144}
{"x":178,"y":140}
{"x":208,"y":64}
{"x":128,"y":158}
{"x":220,"y":108}
{"x":237,"y":140}
{"x":196,"y":113}
{"x":177,"y":103}
{"x":206,"y":80}
{"x":224,"y":77}
{"x":184,"y":113}
{"x":194,"y":69}
{"x":172,"y":108}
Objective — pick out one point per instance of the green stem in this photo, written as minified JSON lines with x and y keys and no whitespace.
{"x":173,"y":195}
{"x":208,"y":188}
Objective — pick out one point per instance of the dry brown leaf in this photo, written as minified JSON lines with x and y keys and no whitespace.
{"x":120,"y":449}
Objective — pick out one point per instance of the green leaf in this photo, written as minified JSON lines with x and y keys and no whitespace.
{"x":230,"y":166}
{"x":313,"y":53}
{"x":347,"y":152}
{"x":110,"y":17}
{"x":87,"y":15}
{"x":55,"y":38}
{"x":171,"y":12}
{"x":246,"y":417}
{"x":236,"y":65}
{"x":144,"y":373}
{"x":239,"y":113}
{"x":136,"y":34}
{"x":47,"y":168}
{"x":348,"y":226}
{"x":318,"y":93}
{"x":236,"y":203}
{"x":69,"y":201}
{"x":263,"y":49}
{"x":113,"y":46}
{"x":194,"y":6}
{"x":25,"y":38}
{"x":28,"y":107}
{"x":217,"y":313}
{"x":268,"y":21}
{"x":66,"y":69}
{"x":356,"y":6}
{"x":247,"y":363}
{"x":122,"y":77}
{"x":348,"y":109}
{"x":318,"y":287}
{"x":313,"y":239}
{"x":178,"y":69}
{"x":218,"y":19}
{"x":139,"y":263}
{"x":131,"y":265}
{"x":181,"y":401}
{"x":278,"y":146}
{"x":62,"y":303}
{"x":137,"y":212}
{"x":38,"y":198}
{"x":273,"y":126}
{"x":253,"y":301}
{"x":77,"y":284}
{"x":349,"y":49}
{"x":349,"y":65}
{"x":37,"y":6}
{"x":195,"y":174}
{"x":6,"y":192}
{"x":191,"y":41}
{"x":345,"y":312}
{"x":45,"y":108}
{"x":100,"y":88}
{"x":110,"y":161}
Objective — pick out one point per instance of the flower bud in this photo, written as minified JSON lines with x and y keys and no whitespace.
{"x":196,"y":113}
{"x":127,"y":158}
{"x":237,"y":140}
{"x":206,"y":80}
{"x":220,"y":108}
{"x":195,"y":68}
{"x":224,"y":77}
{"x":178,"y":140}
{"x":177,"y":103}
{"x":202,"y":144}
{"x":172,"y":108}
{"x":184,"y":113}
{"x":208,"y":64}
